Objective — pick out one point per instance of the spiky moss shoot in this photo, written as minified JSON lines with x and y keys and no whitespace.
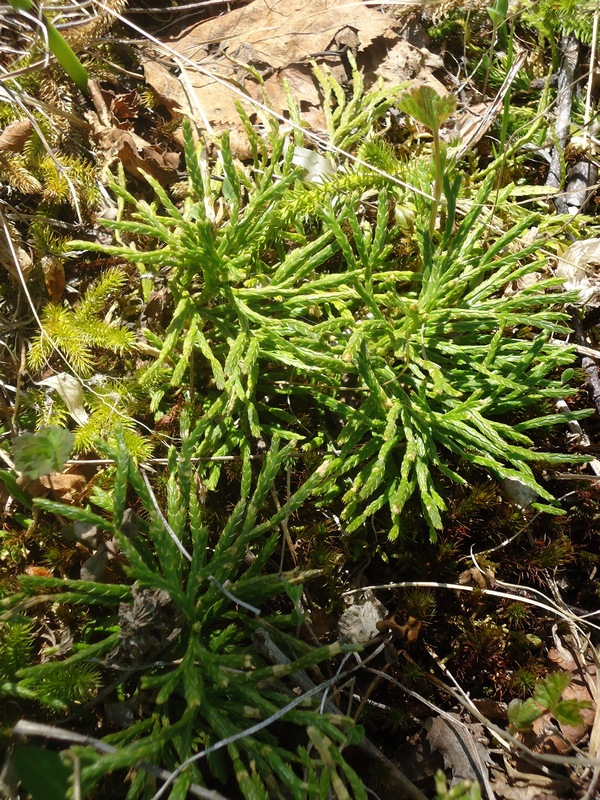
{"x":480,"y":654}
{"x":419,"y":603}
{"x":410,"y":673}
{"x":552,"y":555}
{"x":516,"y":614}
{"x":75,"y":332}
{"x":397,"y":720}
{"x":452,"y":27}
{"x":525,"y":679}
{"x":16,"y":648}
{"x":70,"y":683}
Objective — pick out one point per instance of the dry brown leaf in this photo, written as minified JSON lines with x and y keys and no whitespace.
{"x":527,"y":785}
{"x":14,"y":257}
{"x":168,"y":89}
{"x":126,"y":146}
{"x":279,"y":39}
{"x":481,"y":579}
{"x":32,"y":487}
{"x":14,"y":136}
{"x":125,"y":105}
{"x":67,"y":487}
{"x":403,"y":62}
{"x":54,"y":275}
{"x":522,"y":283}
{"x":159,"y":308}
{"x":271,"y":34}
{"x":464,"y":747}
{"x":115,"y":109}
{"x":133,"y":152}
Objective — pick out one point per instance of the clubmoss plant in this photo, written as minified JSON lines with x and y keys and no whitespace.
{"x":182,"y":638}
{"x":75,"y":337}
{"x":295,"y":303}
{"x":16,"y":651}
{"x":75,"y":332}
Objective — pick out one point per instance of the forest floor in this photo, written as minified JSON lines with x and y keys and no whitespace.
{"x":470,"y":598}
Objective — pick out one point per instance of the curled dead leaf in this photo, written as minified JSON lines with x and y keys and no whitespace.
{"x":361,"y":619}
{"x":578,"y":267}
{"x":393,"y":625}
{"x":14,"y":257}
{"x":70,"y":391}
{"x":126,"y":146}
{"x":14,"y":136}
{"x":481,"y":579}
{"x":54,"y":276}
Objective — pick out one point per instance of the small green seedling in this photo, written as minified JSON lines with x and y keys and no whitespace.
{"x":42,"y":452}
{"x":426,"y":106}
{"x":547,"y":700}
{"x":463,"y":790}
{"x":498,"y":13}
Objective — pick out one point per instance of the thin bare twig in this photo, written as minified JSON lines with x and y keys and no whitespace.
{"x":233,"y":598}
{"x":570,"y":53}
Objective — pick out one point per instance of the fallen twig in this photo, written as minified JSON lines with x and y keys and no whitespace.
{"x":570,"y":53}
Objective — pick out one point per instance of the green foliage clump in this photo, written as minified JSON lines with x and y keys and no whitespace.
{"x":68,"y":181}
{"x":547,"y":699}
{"x":78,"y":335}
{"x":72,"y":683}
{"x":401,"y":366}
{"x":188,"y":638}
{"x":75,"y":332}
{"x":463,"y":790}
{"x":551,"y":18}
{"x":45,"y":166}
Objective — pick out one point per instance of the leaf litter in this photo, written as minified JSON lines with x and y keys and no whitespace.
{"x":264,"y":45}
